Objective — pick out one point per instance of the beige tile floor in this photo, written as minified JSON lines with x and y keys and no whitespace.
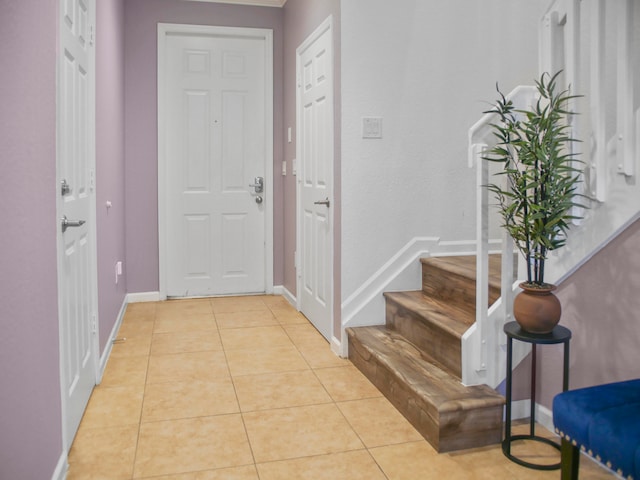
{"x":244,"y":388}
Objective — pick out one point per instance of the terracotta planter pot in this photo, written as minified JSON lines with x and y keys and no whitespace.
{"x":537,"y":310}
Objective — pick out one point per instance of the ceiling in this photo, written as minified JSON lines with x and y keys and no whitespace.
{"x":261,"y":3}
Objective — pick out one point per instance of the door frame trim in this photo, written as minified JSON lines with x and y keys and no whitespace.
{"x":91,"y":221}
{"x":326,"y":25}
{"x":165,"y":29}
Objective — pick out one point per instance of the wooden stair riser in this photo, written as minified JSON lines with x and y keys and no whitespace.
{"x":453,"y":280}
{"x":453,"y":426}
{"x":439,"y":346}
{"x":449,"y":288}
{"x":481,"y":427}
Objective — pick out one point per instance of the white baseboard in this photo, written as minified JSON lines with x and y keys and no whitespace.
{"x":289,"y":297}
{"x":144,"y":297}
{"x":337,"y":347}
{"x":522,"y":409}
{"x":544,"y":417}
{"x":112,"y":336}
{"x":157,"y":297}
{"x":60,"y":473}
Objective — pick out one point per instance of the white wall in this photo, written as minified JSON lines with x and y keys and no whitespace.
{"x":427,"y":67}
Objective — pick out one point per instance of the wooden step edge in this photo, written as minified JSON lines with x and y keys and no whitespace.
{"x":458,"y":320}
{"x":484,"y":398}
{"x":459,"y":426}
{"x":483,"y":395}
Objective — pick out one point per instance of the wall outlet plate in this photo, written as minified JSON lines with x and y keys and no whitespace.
{"x":371,"y":127}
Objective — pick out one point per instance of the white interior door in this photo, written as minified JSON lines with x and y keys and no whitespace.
{"x":77,"y":281}
{"x":315,"y":178}
{"x":216,"y":149}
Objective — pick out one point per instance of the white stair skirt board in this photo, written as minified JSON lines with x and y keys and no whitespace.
{"x":402,"y":271}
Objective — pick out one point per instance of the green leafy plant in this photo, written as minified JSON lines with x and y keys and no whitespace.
{"x":539,"y":167}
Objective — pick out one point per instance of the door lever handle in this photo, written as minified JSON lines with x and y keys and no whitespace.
{"x":66,"y":223}
{"x":258,"y":184}
{"x":323,"y":202}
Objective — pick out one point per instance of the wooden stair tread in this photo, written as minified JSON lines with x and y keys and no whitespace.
{"x":415,"y":359}
{"x":455,"y":321}
{"x":449,"y":415}
{"x":431,"y":384}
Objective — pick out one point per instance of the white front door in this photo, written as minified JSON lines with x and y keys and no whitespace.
{"x":315,"y":178}
{"x":215,"y":148}
{"x":77,"y":281}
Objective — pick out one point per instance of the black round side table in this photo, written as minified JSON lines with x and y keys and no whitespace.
{"x":559,"y":334}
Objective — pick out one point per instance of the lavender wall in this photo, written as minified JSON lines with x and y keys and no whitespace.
{"x":601,"y":306}
{"x":110,"y":161}
{"x":30,"y":423}
{"x":141,"y":144}
{"x":301,"y":18}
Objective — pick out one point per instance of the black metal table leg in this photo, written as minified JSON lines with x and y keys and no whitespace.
{"x":558,"y":335}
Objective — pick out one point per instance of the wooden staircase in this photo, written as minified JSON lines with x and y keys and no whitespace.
{"x":415,"y":359}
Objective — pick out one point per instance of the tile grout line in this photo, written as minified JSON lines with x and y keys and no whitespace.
{"x":332,"y":401}
{"x":235,"y":392}
{"x":144,"y":395}
{"x":335,"y":404}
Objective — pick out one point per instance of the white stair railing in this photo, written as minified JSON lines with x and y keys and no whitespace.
{"x":481,"y":343}
{"x":609,"y":128}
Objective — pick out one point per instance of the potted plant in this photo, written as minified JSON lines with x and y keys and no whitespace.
{"x":539,"y":190}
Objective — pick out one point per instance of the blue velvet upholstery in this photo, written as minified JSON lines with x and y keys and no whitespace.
{"x":604,"y":421}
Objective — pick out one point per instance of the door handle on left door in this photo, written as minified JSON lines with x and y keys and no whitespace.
{"x":258,"y":184}
{"x":70,"y":223}
{"x":323,"y":202}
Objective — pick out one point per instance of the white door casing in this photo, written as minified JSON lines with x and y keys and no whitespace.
{"x":215,"y":137}
{"x":314,"y":150}
{"x":77,"y":257}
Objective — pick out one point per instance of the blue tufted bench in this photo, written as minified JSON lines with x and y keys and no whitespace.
{"x":603,"y":421}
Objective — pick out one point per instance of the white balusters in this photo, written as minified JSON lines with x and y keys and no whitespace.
{"x":480,"y":344}
{"x":608,"y":125}
{"x":626,"y":120}
{"x":598,"y":177}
